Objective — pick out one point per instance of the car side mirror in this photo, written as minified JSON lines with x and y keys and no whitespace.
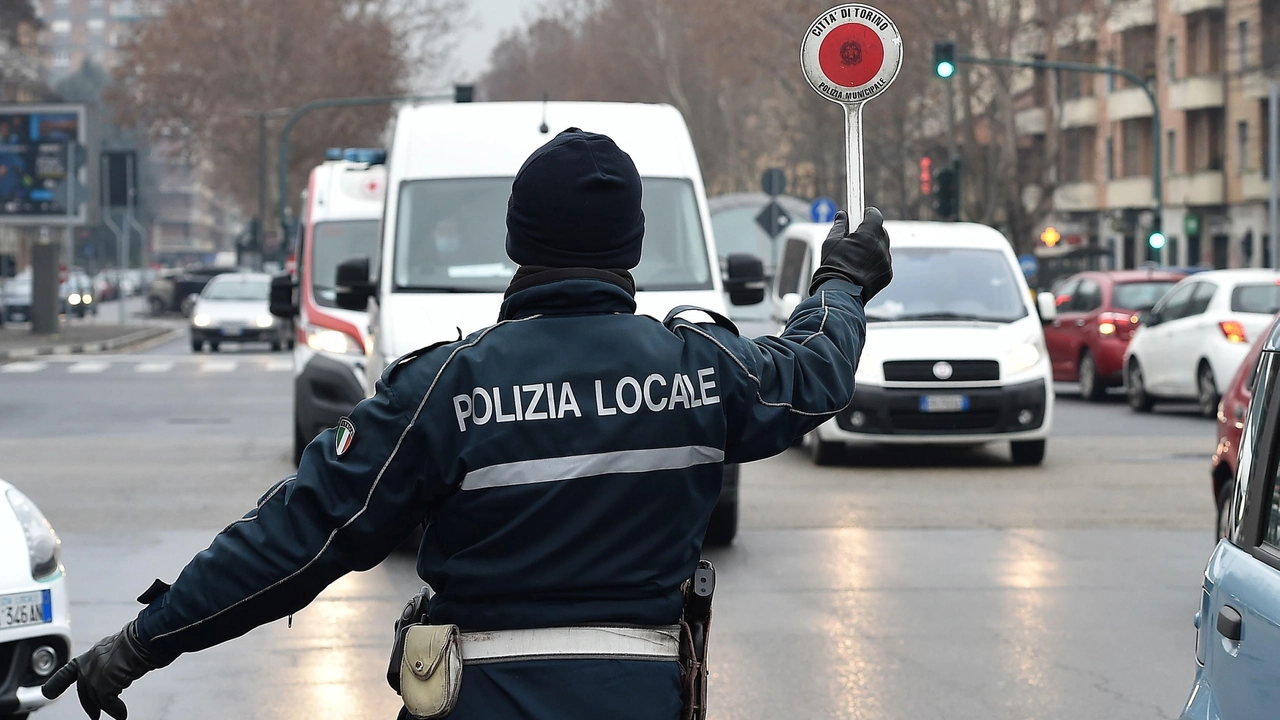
{"x":1149,"y":317}
{"x":282,"y":304}
{"x":788,"y":305}
{"x":1047,"y":306}
{"x":352,"y":286}
{"x":744,"y":279}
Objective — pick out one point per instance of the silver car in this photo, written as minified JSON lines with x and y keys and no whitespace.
{"x":234,"y":307}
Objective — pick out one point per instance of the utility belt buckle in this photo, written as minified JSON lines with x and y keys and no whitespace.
{"x":695,"y":629}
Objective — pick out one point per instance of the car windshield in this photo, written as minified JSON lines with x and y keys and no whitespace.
{"x":1139,"y":295}
{"x":331,"y":243}
{"x":949,"y":284}
{"x":1262,"y":298}
{"x":451,"y":237}
{"x":237,"y":289}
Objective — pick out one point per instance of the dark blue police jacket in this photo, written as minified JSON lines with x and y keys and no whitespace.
{"x":565,"y":463}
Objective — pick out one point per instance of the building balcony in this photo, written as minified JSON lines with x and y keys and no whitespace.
{"x":1079,"y":112}
{"x":1197,"y":92}
{"x":1130,"y":192}
{"x":1255,"y":186}
{"x":1187,"y":7}
{"x":1077,"y":28}
{"x":1207,"y":187}
{"x":1074,"y":197}
{"x":1131,"y":14}
{"x":1256,"y":85}
{"x":1128,"y":104}
{"x":1032,"y":121}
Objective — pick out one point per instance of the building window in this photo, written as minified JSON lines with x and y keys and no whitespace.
{"x":1171,"y":152}
{"x":1204,"y":42}
{"x":1242,"y":146}
{"x":1242,"y":44}
{"x":1110,"y":158}
{"x":1205,"y":140}
{"x":60,"y":27}
{"x":1136,"y":136}
{"x":1138,"y":52}
{"x":61,"y":59}
{"x":1079,"y":153}
{"x":96,"y":26}
{"x":1171,"y":58}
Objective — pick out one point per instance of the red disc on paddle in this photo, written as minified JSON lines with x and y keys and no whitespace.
{"x":851,"y":55}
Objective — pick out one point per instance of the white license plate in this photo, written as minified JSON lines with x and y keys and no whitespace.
{"x":944,"y":403}
{"x":29,"y":608}
{"x":232,"y":332}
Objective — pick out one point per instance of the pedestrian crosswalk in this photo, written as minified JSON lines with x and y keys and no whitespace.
{"x":115,"y":365}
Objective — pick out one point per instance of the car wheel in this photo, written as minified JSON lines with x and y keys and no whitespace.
{"x":1135,"y":388}
{"x":1090,"y":387}
{"x":197,"y":346}
{"x":277,"y":346}
{"x":1224,"y":508}
{"x":723,"y":526}
{"x":1207,"y":391}
{"x":156,"y":305}
{"x":1027,"y":452}
{"x":213,"y":346}
{"x":824,"y":452}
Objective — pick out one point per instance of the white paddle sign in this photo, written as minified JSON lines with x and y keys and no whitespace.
{"x":851,"y":54}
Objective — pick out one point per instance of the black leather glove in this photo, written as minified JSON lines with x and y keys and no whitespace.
{"x":102,"y":673}
{"x":861,"y":257}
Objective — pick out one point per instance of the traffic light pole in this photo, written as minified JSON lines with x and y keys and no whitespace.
{"x":1157,"y":179}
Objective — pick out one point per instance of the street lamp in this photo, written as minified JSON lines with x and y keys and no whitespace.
{"x":256,"y":237}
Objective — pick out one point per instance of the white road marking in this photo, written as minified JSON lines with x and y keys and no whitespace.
{"x":279,"y":366}
{"x":25,"y":366}
{"x":153,"y":367}
{"x":218,"y":366}
{"x":88,"y":366}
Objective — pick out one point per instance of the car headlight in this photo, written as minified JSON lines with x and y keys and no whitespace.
{"x":201,"y":320}
{"x":86,"y":298}
{"x":43,"y":546}
{"x":73,"y":299}
{"x":1024,"y":356}
{"x":264,"y":321}
{"x":332,"y":341}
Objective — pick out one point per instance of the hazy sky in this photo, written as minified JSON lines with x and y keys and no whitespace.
{"x":489,"y":19}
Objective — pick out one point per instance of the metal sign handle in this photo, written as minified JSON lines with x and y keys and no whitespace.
{"x":855,"y":202}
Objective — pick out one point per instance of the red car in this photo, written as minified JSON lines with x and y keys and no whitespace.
{"x":1231,"y":414}
{"x":1097,"y":314}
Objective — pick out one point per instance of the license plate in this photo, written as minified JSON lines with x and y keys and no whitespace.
{"x":232,"y":332}
{"x":30,"y":608}
{"x":944,"y":403}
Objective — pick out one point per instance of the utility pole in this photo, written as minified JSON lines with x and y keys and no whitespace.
{"x":260,"y":221}
{"x":1273,"y":167}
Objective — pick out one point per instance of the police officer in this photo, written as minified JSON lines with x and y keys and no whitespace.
{"x":564,"y":462}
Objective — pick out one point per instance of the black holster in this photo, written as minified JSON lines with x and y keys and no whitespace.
{"x":695,"y":628}
{"x":414,"y":613}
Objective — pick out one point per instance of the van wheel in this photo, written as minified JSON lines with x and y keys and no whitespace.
{"x":213,"y":346}
{"x":1136,"y":389}
{"x":1090,"y":388}
{"x":1027,"y":452}
{"x":1224,"y":508}
{"x":824,"y":452}
{"x":276,"y":346}
{"x":1207,"y":391}
{"x":723,"y":526}
{"x":197,"y":346}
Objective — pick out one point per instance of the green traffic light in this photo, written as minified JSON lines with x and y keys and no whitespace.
{"x":1156,"y":240}
{"x":945,"y":69}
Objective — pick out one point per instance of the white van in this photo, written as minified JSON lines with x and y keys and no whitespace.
{"x":341,"y":210}
{"x":442,"y":265}
{"x":955,"y":349}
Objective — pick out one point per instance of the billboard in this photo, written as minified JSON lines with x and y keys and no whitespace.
{"x":42,"y":159}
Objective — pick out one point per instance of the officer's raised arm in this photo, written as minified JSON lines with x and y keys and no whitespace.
{"x":790,"y":384}
{"x":359,"y":490}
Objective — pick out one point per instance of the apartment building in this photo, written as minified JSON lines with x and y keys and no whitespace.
{"x":1210,"y":63}
{"x":79,"y":30}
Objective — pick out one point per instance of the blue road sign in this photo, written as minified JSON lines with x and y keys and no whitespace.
{"x":822,"y":210}
{"x":1029,"y":264}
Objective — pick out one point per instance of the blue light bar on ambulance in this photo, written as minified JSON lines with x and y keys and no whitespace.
{"x":369,"y":156}
{"x":333,"y":154}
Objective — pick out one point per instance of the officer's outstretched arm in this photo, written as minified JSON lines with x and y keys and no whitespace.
{"x":790,"y":384}
{"x":358,"y":493}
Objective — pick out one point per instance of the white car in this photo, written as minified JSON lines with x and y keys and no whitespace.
{"x":955,"y":349}
{"x":35,"y":628}
{"x":234,"y":307}
{"x":1190,"y":344}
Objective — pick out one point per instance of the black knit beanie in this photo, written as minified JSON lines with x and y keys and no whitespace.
{"x":576,"y":203}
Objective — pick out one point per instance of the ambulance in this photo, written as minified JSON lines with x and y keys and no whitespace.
{"x":341,"y":212}
{"x":441,"y":267}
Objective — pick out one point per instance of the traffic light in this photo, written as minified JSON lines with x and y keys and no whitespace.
{"x":926,"y":176}
{"x":944,"y":59}
{"x":944,"y":194}
{"x":1050,"y":237}
{"x":1156,"y":238}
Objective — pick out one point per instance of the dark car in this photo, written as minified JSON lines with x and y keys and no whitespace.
{"x":1097,"y":314}
{"x":176,"y":292}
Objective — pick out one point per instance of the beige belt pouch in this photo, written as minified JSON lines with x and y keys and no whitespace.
{"x":431,"y":670}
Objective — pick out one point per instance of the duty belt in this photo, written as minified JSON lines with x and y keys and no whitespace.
{"x":577,"y":642}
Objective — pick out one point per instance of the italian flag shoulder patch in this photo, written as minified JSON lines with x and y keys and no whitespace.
{"x":345,"y":436}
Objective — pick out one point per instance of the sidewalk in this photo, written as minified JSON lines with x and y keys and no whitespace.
{"x":20,"y":342}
